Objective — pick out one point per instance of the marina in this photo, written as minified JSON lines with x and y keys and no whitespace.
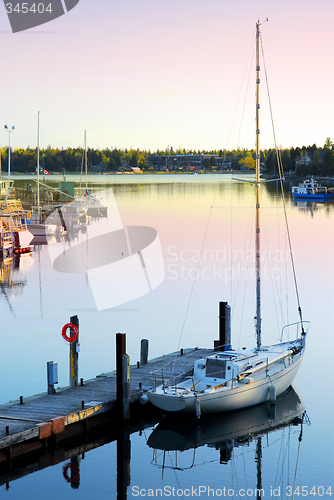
{"x":166,"y":250}
{"x":36,"y":286}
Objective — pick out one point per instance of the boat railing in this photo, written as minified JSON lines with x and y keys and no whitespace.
{"x":301,"y":331}
{"x":165,"y":376}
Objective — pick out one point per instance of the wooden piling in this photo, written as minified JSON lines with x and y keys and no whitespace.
{"x":74,"y":355}
{"x":144,"y":352}
{"x":224,"y":342}
{"x":126,"y":386}
{"x":120,"y":351}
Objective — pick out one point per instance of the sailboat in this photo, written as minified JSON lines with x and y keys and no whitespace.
{"x":229,"y":379}
{"x":92,"y":204}
{"x":36,"y":226}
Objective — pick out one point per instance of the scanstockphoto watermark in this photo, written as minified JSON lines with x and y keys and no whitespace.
{"x":223,"y":264}
{"x":195,"y":492}
{"x":209,"y":492}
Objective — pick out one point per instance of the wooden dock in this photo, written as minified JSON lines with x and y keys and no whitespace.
{"x":27,"y":423}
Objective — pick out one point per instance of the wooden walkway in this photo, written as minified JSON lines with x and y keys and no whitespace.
{"x":44,"y":415}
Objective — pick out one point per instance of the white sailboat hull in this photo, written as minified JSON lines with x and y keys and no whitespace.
{"x":223,"y":400}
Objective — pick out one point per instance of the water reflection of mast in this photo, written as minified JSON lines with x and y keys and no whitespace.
{"x":40,"y":281}
{"x":258,"y":460}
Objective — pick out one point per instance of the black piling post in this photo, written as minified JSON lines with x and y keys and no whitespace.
{"x":126,"y":386}
{"x":224,"y":342}
{"x":143,"y":352}
{"x":122,"y":377}
{"x":74,"y":354}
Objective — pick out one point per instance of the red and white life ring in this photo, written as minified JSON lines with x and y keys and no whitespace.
{"x":75,"y":332}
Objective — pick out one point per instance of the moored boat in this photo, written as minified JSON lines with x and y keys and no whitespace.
{"x":238,"y":379}
{"x":14,"y":220}
{"x":311,"y":189}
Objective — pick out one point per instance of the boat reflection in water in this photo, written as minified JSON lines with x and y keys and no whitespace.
{"x":13,"y":276}
{"x":311,"y":207}
{"x":226,"y":431}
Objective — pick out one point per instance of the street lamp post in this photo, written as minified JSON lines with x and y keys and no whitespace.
{"x":9,"y":130}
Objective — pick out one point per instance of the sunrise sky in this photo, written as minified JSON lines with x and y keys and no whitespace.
{"x":149,"y":74}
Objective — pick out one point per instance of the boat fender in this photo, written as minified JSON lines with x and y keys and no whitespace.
{"x":272,"y":393}
{"x":143,"y":399}
{"x":75,"y":331}
{"x":198,"y":408}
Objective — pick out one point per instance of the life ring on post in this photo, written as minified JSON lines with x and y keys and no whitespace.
{"x":75,"y":331}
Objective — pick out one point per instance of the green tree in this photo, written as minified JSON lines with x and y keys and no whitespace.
{"x":328,"y":143}
{"x":213,"y":161}
{"x":315,"y":165}
{"x":327,"y":162}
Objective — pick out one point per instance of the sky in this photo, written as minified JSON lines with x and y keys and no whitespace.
{"x":150,"y":74}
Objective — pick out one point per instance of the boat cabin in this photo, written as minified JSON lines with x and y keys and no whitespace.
{"x":217,"y":368}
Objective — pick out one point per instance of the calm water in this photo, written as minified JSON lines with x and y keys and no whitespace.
{"x":212,"y":216}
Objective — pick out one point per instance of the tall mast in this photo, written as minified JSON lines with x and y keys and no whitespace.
{"x":86,"y":162}
{"x":257,"y":168}
{"x":38,"y":197}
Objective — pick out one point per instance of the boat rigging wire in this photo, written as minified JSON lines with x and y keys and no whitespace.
{"x":281,"y":175}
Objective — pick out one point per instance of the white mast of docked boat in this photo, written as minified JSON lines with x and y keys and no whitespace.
{"x":257,"y":217}
{"x":9,"y":130}
{"x":86,"y":162}
{"x":38,"y":195}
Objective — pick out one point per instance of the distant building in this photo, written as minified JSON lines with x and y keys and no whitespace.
{"x":186,"y":162}
{"x":303,"y":159}
{"x":98,"y":168}
{"x":125,"y":167}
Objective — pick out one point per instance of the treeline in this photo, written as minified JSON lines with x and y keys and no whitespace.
{"x":70,"y":159}
{"x":307,"y":160}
